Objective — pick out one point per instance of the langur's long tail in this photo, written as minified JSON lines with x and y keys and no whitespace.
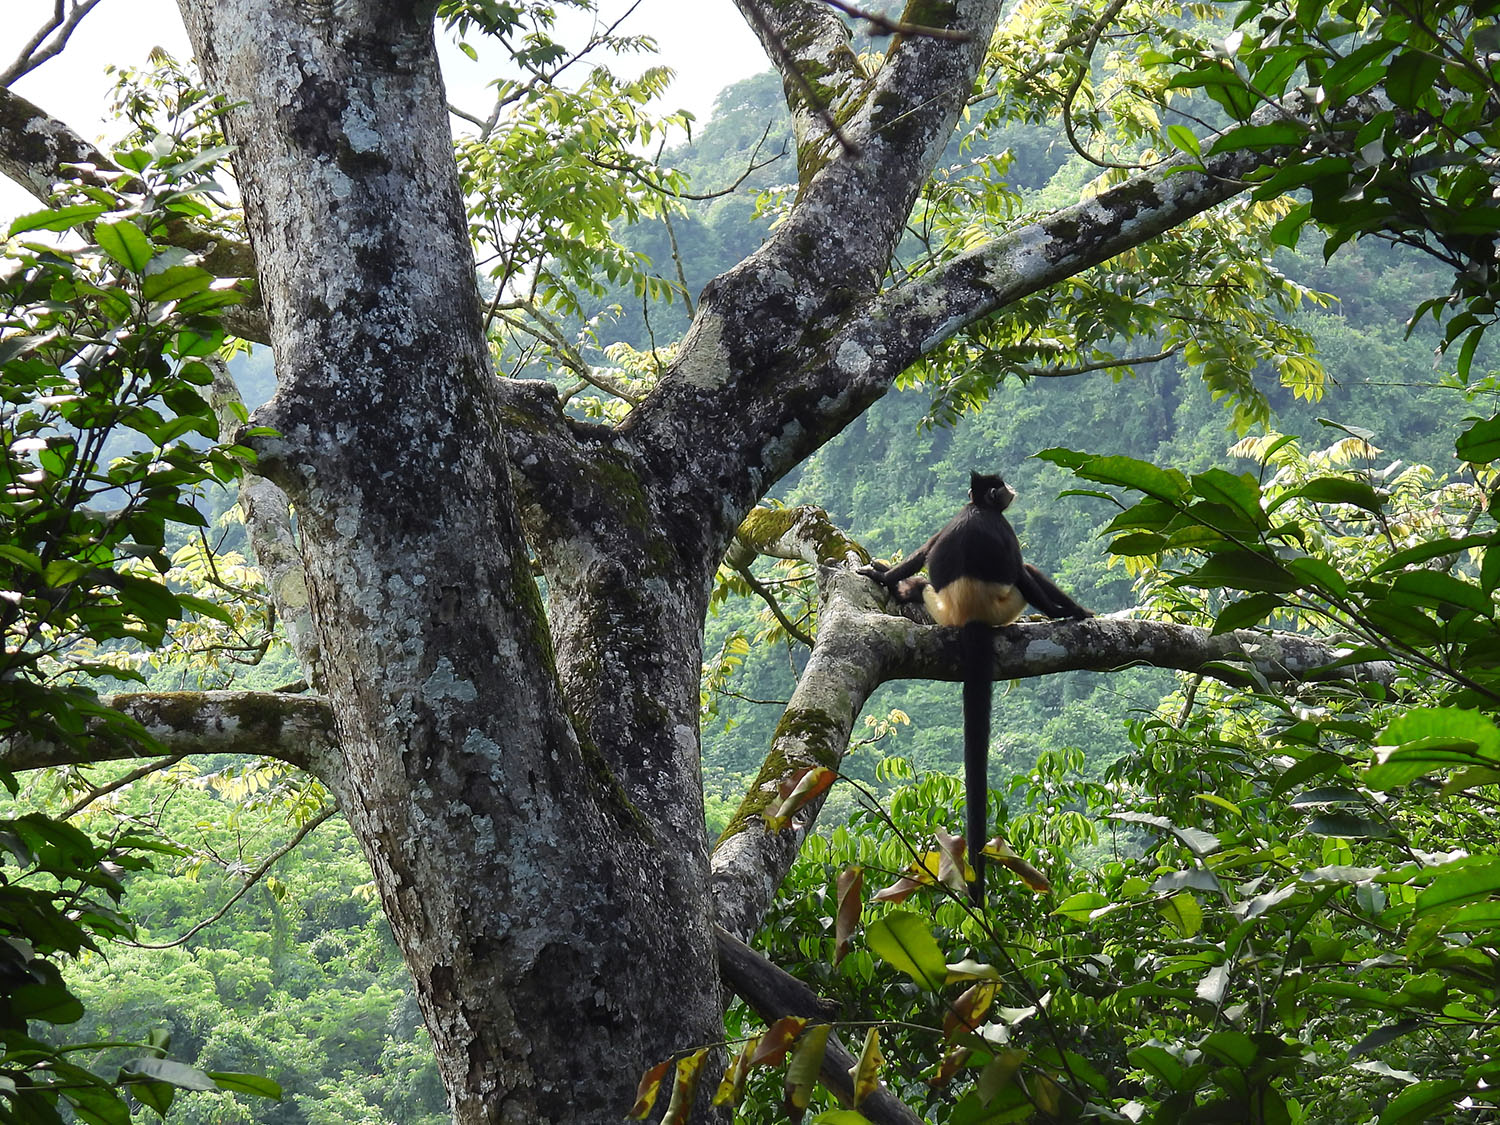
{"x":977,"y":659}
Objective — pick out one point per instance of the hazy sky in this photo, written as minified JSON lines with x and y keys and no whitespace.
{"x":705,"y":41}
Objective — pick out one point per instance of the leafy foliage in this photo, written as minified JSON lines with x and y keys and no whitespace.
{"x":1289,"y":915}
{"x":96,"y":340}
{"x":1415,"y":165}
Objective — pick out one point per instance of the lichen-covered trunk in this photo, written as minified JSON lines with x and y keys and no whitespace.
{"x":531,"y":893}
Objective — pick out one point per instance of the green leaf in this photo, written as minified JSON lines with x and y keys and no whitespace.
{"x":1240,"y":570}
{"x":1240,"y":493}
{"x":126,"y":243}
{"x":154,"y":1095}
{"x":1340,"y":490}
{"x":1319,"y":764}
{"x":50,"y":1002}
{"x":1411,"y":74}
{"x":256,"y":1084}
{"x":60,"y":218}
{"x":1423,"y":1101}
{"x":1480,"y":443}
{"x":1246,"y":612}
{"x":1428,"y":739}
{"x":170,"y":1071}
{"x":1470,"y":880}
{"x":904,"y":941}
{"x":1183,"y":913}
{"x":1289,"y":228}
{"x":1127,"y":472}
{"x":1158,"y":1061}
{"x":175,"y":283}
{"x":1233,"y":1047}
{"x":1395,"y":767}
{"x":1080,"y":907}
{"x":1434,"y":588}
{"x":1260,"y":137}
{"x":1315,"y":574}
{"x":1435,"y":549}
{"x":1343,"y":824}
{"x":1184,"y":138}
{"x":98,"y":1105}
{"x":1137,"y":543}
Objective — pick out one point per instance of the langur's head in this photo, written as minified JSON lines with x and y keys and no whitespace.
{"x":988,"y":491}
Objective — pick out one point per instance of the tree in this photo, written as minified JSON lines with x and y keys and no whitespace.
{"x":522,"y":772}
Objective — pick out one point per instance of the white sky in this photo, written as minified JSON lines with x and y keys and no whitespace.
{"x":705,"y":41}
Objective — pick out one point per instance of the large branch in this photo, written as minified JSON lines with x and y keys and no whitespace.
{"x":772,"y":993}
{"x":750,"y":393}
{"x":911,"y":319}
{"x":808,"y":45}
{"x":297,"y":729}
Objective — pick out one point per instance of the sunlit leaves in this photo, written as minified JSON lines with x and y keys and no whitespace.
{"x":1427,"y":740}
{"x":106,"y":444}
{"x":1429,"y":187}
{"x":550,"y":185}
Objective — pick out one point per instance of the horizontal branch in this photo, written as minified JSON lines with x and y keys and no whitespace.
{"x":862,"y":644}
{"x":1110,"y":643}
{"x":296,"y":729}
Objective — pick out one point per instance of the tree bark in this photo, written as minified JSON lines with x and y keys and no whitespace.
{"x":527,"y":877}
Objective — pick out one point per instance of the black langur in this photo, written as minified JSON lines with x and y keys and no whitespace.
{"x":976,"y":580}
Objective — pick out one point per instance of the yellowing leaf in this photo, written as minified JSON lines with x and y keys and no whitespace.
{"x":952,"y":1063}
{"x":777,"y":1040}
{"x":802,"y":1073}
{"x":923,"y":873}
{"x":967,"y":1012}
{"x":732,"y":1089}
{"x":954,"y":871}
{"x":801,"y":788}
{"x":846,"y":918}
{"x":645,"y":1094}
{"x":1003,"y":854}
{"x":865,"y":1073}
{"x":684,"y":1088}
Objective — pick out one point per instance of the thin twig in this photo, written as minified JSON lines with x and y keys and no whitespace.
{"x":752,"y":166}
{"x":255,"y":877}
{"x":34,"y":54}
{"x":743,"y":570}
{"x":884,"y":25}
{"x":687,"y":296}
{"x":119,"y":783}
{"x":1097,"y":365}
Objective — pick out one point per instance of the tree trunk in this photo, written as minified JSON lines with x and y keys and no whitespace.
{"x":526,"y":880}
